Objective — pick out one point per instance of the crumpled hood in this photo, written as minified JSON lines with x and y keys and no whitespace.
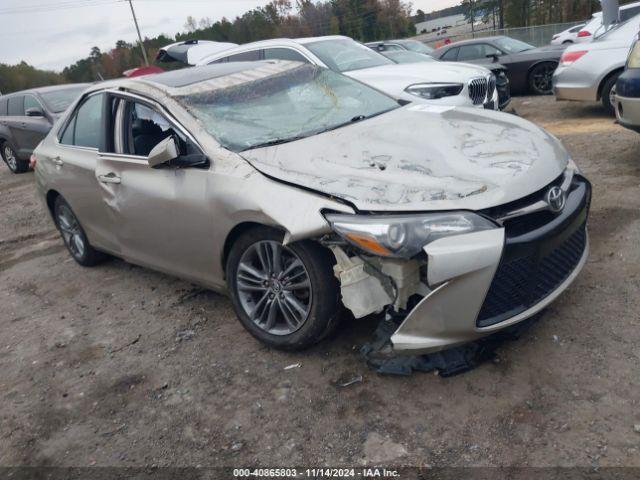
{"x":421,"y":157}
{"x":410,"y":73}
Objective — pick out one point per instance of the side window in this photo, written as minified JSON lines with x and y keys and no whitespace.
{"x":284,"y":54}
{"x":451,"y":55}
{"x":86,"y":124}
{"x":470,"y":52}
{"x":144,"y":129}
{"x":16,"y":106}
{"x":31,"y":102}
{"x":220,"y":60}
{"x":490,"y":50}
{"x":3,"y":107}
{"x":245,"y":56}
{"x":627,"y":13}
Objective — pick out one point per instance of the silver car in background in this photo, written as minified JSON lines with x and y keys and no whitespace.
{"x":300,"y":192}
{"x":588,"y":72}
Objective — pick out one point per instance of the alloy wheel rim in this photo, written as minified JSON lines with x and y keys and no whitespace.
{"x":612,"y":97}
{"x":274,"y":288}
{"x":71,"y":232}
{"x":10,"y":158}
{"x":543,"y":78}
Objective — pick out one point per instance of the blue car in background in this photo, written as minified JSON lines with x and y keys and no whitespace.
{"x":626,"y":96}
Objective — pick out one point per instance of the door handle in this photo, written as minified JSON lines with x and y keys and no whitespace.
{"x":57,"y":161}
{"x":109,"y":178}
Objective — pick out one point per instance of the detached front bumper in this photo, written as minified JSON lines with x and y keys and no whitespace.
{"x":486,"y":281}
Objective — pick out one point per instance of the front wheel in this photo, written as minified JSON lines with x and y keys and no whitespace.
{"x":74,"y":237}
{"x":285,"y":296}
{"x":13,"y":162}
{"x":541,"y":78}
{"x":608,"y":94}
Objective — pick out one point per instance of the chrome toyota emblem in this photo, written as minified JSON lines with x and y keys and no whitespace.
{"x":556,"y":199}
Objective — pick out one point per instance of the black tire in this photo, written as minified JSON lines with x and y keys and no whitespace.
{"x":324,"y":306}
{"x":607,"y":88}
{"x":541,"y":78}
{"x":73,"y":235}
{"x":11,"y":159}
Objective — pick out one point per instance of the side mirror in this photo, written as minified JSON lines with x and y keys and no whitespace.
{"x":494,"y":56}
{"x":34,"y":112}
{"x":163,"y":152}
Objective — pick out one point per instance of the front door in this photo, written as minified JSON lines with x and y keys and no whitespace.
{"x":162,"y":216}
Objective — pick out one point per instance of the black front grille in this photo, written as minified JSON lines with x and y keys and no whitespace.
{"x":478,"y":90}
{"x":526,"y":278}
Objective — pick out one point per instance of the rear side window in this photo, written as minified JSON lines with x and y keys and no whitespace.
{"x":3,"y":107}
{"x":451,"y":55}
{"x":627,"y":13}
{"x":86,"y":124}
{"x":245,"y":56}
{"x":16,"y":106}
{"x":284,"y":54}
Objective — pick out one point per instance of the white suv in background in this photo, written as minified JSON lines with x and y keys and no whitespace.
{"x":594,"y":29}
{"x":441,"y":83}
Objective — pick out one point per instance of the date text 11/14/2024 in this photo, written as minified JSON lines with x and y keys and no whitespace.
{"x":285,"y":473}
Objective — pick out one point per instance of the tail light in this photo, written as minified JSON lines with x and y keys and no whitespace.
{"x":32,"y":162}
{"x":584,"y":33}
{"x":568,"y":58}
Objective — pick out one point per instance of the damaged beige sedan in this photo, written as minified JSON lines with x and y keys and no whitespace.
{"x":302,"y":192}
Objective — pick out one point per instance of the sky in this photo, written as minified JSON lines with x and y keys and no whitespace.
{"x":51,"y":34}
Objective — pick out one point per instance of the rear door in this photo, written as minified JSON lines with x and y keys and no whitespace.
{"x":73,"y":170}
{"x":162,"y":215}
{"x":14,"y":122}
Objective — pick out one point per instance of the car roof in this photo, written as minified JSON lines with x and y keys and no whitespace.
{"x":50,"y":88}
{"x":189,"y":76}
{"x":210,"y":77}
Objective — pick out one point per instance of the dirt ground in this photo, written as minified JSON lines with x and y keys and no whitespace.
{"x":122,"y":366}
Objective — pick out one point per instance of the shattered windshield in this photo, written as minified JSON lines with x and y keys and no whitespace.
{"x":302,"y":101}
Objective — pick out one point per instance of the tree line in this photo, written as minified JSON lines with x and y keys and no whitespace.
{"x":526,"y":13}
{"x":364,"y":20}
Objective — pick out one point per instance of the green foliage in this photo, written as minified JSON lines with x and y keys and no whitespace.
{"x":23,"y":76}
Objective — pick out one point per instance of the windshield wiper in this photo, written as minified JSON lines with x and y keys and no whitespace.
{"x":279,"y":141}
{"x":275,"y":141}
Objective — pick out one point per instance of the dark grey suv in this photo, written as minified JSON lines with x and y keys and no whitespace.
{"x":27,"y":116}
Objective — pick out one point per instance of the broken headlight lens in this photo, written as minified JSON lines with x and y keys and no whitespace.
{"x":433,"y":91}
{"x":404,"y":236}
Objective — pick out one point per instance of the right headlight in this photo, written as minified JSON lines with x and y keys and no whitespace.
{"x":433,"y":91}
{"x":404,"y":236}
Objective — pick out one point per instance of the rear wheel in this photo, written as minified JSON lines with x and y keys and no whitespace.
{"x":74,"y":237}
{"x":541,"y":78}
{"x":13,"y":162}
{"x":608,"y":94}
{"x":285,"y":296}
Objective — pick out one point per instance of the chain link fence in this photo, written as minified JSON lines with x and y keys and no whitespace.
{"x":538,"y":36}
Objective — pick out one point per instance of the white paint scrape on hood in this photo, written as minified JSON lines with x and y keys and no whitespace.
{"x":421,"y":157}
